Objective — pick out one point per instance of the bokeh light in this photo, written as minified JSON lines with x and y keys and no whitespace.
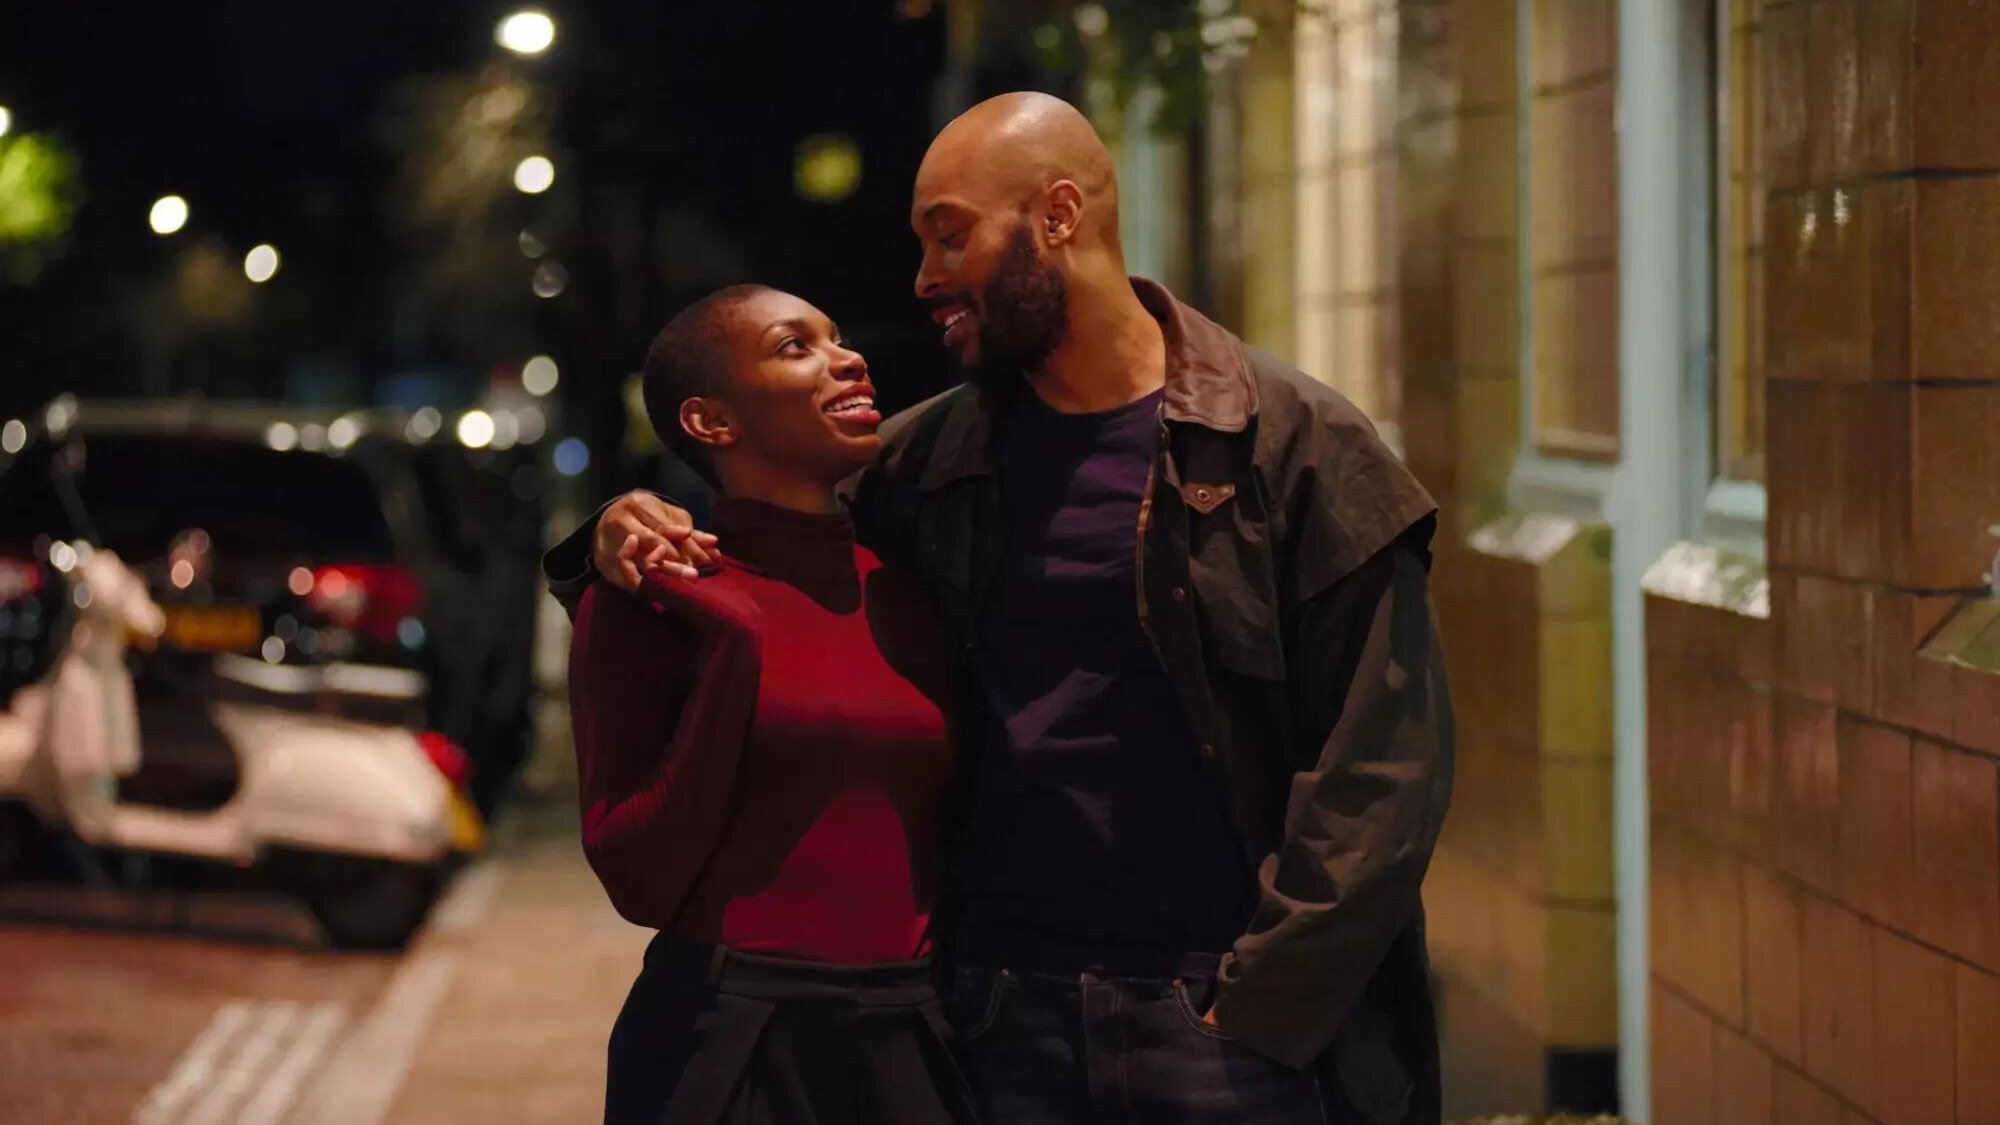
{"x":533,"y":423}
{"x":261,"y":263}
{"x":13,"y":436}
{"x":344,"y":431}
{"x":828,"y":168}
{"x":550,"y":280}
{"x":506,"y":429}
{"x":169,"y":214}
{"x":60,"y":414}
{"x":6,"y":120}
{"x":475,"y":429}
{"x":534,"y":175}
{"x":529,"y":31}
{"x":572,"y":456}
{"x":424,"y":424}
{"x":539,"y":376}
{"x":281,"y":436}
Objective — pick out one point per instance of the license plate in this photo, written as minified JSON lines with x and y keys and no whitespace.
{"x":213,"y":628}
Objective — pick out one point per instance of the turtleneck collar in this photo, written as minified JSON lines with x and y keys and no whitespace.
{"x":812,"y":551}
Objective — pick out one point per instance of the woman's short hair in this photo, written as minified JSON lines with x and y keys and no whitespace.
{"x":690,"y":359}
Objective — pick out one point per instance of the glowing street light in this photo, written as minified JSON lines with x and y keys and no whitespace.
{"x":476,"y":429}
{"x":169,"y":214}
{"x":529,"y":31}
{"x":261,"y":263}
{"x":534,"y":175}
{"x":6,"y":120}
{"x":539,"y":376}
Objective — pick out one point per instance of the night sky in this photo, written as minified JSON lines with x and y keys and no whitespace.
{"x":674,"y":128}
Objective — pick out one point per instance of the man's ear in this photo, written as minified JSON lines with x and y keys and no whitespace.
{"x":707,"y":420}
{"x":1064,"y":213}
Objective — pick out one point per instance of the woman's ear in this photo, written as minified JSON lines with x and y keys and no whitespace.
{"x":707,"y":421}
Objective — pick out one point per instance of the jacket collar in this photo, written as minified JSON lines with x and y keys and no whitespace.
{"x":1208,"y":372}
{"x":1208,"y":384}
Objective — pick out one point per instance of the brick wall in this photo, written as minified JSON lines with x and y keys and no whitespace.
{"x":1826,"y":781}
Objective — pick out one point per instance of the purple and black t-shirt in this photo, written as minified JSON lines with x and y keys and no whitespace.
{"x":1094,"y":840}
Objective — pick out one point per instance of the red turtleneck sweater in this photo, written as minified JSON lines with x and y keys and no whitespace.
{"x":762,"y":751}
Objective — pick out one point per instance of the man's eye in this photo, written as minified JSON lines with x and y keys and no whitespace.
{"x":952,"y":241}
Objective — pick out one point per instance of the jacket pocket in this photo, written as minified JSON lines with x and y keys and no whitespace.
{"x":1185,"y":1004}
{"x":976,"y":1000}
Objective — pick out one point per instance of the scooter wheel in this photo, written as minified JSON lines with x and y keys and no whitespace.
{"x":369,"y":904}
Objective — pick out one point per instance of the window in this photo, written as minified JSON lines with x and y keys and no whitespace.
{"x":1345,"y":117}
{"x":1739,"y":236}
{"x":1573,"y":228}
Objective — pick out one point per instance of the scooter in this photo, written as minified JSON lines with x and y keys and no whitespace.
{"x":364,"y":821}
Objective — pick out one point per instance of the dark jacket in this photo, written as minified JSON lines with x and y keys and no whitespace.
{"x":1282,"y":577}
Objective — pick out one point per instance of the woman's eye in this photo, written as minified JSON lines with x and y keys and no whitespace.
{"x":792,"y":345}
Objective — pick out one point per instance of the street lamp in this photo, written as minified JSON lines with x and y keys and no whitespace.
{"x":261,"y":263}
{"x":169,"y":214}
{"x":534,"y":175}
{"x":529,"y":31}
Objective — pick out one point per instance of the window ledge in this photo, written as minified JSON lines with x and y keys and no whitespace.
{"x":1733,"y":517}
{"x":1970,"y":637}
{"x":1708,"y":575}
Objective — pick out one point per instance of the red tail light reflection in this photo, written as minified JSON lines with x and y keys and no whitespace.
{"x":19,"y":578}
{"x":371,"y":598}
{"x":447,"y":757}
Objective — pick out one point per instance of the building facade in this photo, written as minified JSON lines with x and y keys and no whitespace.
{"x":1685,"y":311}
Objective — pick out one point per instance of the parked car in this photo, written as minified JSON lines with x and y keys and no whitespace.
{"x":336,"y":563}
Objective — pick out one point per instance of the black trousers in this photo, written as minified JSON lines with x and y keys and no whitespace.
{"x":710,"y":1036}
{"x":1097,"y":1049}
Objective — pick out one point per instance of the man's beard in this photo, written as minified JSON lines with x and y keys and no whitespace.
{"x":1023,"y":317}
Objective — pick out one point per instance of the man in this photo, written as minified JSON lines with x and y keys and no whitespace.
{"x":1208,"y":744}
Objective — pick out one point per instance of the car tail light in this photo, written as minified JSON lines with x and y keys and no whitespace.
{"x":19,"y":578}
{"x":371,"y":598}
{"x":446,"y":755}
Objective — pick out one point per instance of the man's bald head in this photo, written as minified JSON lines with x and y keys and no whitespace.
{"x":1008,"y":151}
{"x":1016,"y":205}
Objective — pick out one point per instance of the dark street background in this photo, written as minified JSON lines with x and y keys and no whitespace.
{"x":353,"y":138}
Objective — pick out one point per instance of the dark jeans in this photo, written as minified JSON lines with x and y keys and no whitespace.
{"x":1042,"y":1049}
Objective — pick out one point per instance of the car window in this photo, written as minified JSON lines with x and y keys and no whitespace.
{"x":141,"y":490}
{"x":30,"y":506}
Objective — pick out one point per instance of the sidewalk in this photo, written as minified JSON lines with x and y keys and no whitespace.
{"x":501,"y":1011}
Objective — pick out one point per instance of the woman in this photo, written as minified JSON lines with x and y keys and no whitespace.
{"x":762,"y":753}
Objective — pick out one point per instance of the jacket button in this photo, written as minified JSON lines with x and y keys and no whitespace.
{"x":1201,"y":495}
{"x":1180,"y":593}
